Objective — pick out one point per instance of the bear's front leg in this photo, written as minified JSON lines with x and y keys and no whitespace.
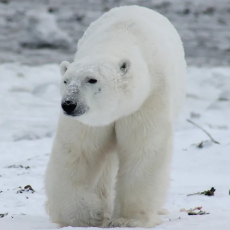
{"x":144,"y":149}
{"x":71,"y":178}
{"x":71,"y":200}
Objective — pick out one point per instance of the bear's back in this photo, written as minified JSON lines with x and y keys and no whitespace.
{"x":160,"y":45}
{"x":138,"y":21}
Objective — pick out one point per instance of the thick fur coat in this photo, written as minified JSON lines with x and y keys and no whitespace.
{"x":110,"y":162}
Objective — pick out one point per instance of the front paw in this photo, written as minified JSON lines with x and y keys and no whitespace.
{"x":87,"y":213}
{"x":95,"y":218}
{"x":83,"y":217}
{"x":98,"y":215}
{"x":122,"y":222}
{"x":131,"y":223}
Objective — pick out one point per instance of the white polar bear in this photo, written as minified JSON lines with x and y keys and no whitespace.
{"x":120,"y":98}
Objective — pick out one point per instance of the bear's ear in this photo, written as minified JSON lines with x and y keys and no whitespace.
{"x":63,"y":67}
{"x":124,"y":65}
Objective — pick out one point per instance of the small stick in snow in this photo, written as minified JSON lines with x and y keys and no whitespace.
{"x":210,"y":192}
{"x":208,"y":134}
{"x":196,"y":193}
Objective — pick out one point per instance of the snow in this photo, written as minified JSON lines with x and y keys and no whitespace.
{"x":202,"y":25}
{"x":42,"y":31}
{"x":29,"y":110}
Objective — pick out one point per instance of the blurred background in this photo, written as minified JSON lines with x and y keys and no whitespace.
{"x":43,"y":31}
{"x":36,"y":35}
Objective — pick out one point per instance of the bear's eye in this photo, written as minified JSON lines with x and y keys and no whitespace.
{"x":65,"y":81}
{"x":92,"y":81}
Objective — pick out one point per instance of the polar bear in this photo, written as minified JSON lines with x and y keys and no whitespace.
{"x":111,"y":156}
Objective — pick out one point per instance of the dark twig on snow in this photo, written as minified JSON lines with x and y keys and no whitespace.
{"x":208,"y":134}
{"x":3,"y":215}
{"x":210,"y":192}
{"x":27,"y":188}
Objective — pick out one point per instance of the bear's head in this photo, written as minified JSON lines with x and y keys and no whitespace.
{"x":100,"y":90}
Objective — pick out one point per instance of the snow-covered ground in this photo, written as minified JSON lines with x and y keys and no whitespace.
{"x":29,"y":98}
{"x":38,"y":32}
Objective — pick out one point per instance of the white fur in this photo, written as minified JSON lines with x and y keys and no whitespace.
{"x":130,"y":120}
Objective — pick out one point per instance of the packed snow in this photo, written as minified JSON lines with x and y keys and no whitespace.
{"x":30,"y":104}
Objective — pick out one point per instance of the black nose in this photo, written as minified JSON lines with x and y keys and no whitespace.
{"x":68,"y":106}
